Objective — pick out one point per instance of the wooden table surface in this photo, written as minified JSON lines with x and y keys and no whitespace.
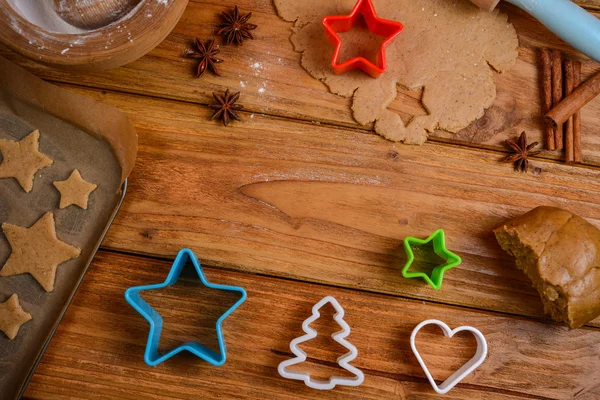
{"x":298,"y":202}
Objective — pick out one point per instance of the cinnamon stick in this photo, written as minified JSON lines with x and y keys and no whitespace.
{"x":557,"y":95}
{"x":577,"y":116}
{"x":546,"y":60}
{"x":569,"y":154}
{"x":580,"y":97}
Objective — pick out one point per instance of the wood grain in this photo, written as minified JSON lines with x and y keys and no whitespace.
{"x":331,"y":205}
{"x":589,"y":4}
{"x":297,"y":202}
{"x":270,"y":63}
{"x":98,"y":349}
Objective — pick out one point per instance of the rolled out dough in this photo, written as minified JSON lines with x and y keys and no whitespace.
{"x":446,"y":48}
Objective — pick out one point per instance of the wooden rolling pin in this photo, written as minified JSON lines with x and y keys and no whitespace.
{"x":567,"y":20}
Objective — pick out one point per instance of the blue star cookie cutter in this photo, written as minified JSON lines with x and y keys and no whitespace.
{"x":439,"y":247}
{"x":151,"y":356}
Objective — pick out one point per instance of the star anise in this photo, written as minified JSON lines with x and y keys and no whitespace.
{"x":206,"y":53}
{"x":236,"y":27}
{"x":226,"y":107}
{"x":522,"y":151}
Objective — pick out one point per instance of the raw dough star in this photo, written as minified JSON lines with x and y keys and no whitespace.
{"x":447,"y":48}
{"x":12,"y":316}
{"x":74,"y":191}
{"x":36,"y":251}
{"x":21,"y":160}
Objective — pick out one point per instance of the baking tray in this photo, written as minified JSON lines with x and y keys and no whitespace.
{"x":62,"y":312}
{"x":84,"y":229}
{"x":76,"y":132}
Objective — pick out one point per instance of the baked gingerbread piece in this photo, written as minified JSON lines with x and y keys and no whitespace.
{"x":560,"y":253}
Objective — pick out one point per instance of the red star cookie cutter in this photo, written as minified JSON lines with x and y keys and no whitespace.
{"x":343,"y":23}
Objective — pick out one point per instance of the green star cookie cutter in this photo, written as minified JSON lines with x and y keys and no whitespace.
{"x":439,"y":247}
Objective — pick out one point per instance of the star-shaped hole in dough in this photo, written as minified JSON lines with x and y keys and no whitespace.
{"x":21,"y":160}
{"x":12,"y":316}
{"x":37,"y":251}
{"x":75,"y":190}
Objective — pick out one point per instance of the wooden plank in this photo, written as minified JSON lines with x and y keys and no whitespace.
{"x":330,"y":205}
{"x":270,"y":63}
{"x":97,"y":351}
{"x":589,"y":4}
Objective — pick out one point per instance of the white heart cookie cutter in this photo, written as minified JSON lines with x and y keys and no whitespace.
{"x":463,"y":371}
{"x":343,"y":361}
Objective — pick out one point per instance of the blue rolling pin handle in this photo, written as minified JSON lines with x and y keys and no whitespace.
{"x":568,"y":21}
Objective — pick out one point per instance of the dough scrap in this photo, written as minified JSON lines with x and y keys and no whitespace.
{"x":21,"y":160}
{"x":447,"y":48}
{"x":75,"y":190}
{"x":37,"y":251}
{"x":560,"y":253}
{"x":12,"y":316}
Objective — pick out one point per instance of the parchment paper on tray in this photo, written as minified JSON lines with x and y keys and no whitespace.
{"x":75,"y":132}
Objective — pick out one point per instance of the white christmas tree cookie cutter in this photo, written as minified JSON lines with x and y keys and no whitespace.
{"x":343,"y":361}
{"x":463,"y":371}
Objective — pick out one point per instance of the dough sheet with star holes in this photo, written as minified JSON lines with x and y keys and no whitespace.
{"x":71,"y":144}
{"x":448,"y":48}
